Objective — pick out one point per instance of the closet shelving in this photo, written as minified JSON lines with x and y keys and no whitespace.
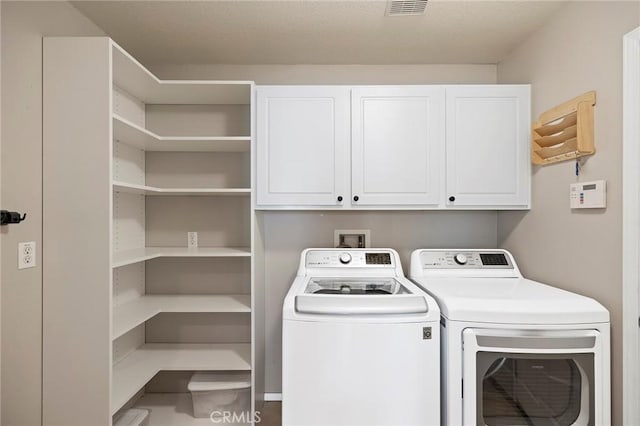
{"x":134,"y":89}
{"x":153,"y":160}
{"x":145,"y":362}
{"x":131,"y":256}
{"x":142,"y":138}
{"x":128,"y":316}
{"x":133,"y":188}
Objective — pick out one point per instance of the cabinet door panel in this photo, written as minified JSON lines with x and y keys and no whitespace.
{"x":303,"y":139}
{"x":396,"y":135}
{"x":488,"y":146}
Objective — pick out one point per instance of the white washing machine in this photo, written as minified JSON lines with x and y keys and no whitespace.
{"x":361,"y":343}
{"x":515,"y":351}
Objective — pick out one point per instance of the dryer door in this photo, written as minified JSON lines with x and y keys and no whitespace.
{"x":530,"y":377}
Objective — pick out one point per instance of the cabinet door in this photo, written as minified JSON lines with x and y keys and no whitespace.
{"x":488,"y":130}
{"x":302,"y":145}
{"x":397,"y":133}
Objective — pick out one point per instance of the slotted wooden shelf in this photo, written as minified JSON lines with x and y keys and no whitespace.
{"x":564,"y":132}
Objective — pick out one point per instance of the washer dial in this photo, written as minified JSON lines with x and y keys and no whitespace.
{"x":345,"y":258}
{"x":460,"y":259}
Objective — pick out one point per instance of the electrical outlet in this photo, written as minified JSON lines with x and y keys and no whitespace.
{"x":192,"y":239}
{"x":27,"y":255}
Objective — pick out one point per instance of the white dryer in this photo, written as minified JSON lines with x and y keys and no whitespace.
{"x":360,"y":343}
{"x":515,"y":351}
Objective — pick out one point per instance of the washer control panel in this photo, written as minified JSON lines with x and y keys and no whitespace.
{"x":345,"y":257}
{"x":465,"y":260}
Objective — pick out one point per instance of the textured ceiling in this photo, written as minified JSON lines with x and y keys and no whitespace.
{"x":317,"y":31}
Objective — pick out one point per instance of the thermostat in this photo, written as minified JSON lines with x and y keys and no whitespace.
{"x":588,"y":195}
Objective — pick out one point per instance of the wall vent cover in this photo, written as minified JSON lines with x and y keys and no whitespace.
{"x":406,"y":7}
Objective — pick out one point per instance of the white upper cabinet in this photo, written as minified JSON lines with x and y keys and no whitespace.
{"x":303,"y":145}
{"x":396,"y":139}
{"x":393,"y":147}
{"x":487,"y":146}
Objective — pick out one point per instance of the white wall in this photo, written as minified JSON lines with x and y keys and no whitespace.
{"x":579,"y":50}
{"x":23,"y":25}
{"x":286,"y":234}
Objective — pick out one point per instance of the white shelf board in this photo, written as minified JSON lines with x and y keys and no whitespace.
{"x":133,"y":188}
{"x":131,"y":314}
{"x":131,"y":76}
{"x":131,"y":134}
{"x":171,"y":409}
{"x":128,"y":257}
{"x":134,"y":371}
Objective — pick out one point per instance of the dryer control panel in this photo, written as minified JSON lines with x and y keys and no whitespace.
{"x":465,"y":259}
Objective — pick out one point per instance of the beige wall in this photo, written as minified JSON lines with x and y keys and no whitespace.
{"x":23,"y":25}
{"x":333,"y":74}
{"x":287,"y":233}
{"x":579,"y":50}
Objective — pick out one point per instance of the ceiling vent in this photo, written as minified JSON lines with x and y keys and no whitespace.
{"x":406,"y":7}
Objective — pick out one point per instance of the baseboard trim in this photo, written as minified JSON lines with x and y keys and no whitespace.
{"x":273,"y":397}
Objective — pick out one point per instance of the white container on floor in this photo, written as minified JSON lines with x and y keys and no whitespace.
{"x":133,"y":417}
{"x":214,"y":393}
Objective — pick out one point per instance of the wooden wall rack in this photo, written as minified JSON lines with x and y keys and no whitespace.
{"x":564,"y":132}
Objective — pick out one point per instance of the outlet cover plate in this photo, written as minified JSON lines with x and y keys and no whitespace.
{"x":192,"y":239}
{"x":27,"y":255}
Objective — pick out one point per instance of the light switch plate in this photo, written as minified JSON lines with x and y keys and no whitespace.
{"x":588,"y":195}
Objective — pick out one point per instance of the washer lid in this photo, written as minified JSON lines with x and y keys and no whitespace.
{"x":511,"y":301}
{"x":359,"y":296}
{"x":355,"y":286}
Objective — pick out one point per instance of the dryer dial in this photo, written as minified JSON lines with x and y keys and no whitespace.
{"x":345,"y":258}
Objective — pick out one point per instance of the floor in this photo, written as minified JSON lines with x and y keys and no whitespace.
{"x":176,"y":409}
{"x":271,"y":414}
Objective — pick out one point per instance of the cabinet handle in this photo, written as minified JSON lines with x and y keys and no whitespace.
{"x":340,"y":198}
{"x":452,"y":198}
{"x":356,"y":198}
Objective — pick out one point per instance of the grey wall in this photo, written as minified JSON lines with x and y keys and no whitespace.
{"x":23,"y":25}
{"x":577,"y":51}
{"x":286,"y":234}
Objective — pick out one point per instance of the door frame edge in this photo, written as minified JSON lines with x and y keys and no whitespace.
{"x":631,"y":227}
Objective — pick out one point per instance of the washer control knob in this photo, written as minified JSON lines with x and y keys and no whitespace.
{"x":460,"y":259}
{"x":345,"y":258}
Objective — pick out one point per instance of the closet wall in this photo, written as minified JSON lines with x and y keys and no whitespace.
{"x":23,"y":26}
